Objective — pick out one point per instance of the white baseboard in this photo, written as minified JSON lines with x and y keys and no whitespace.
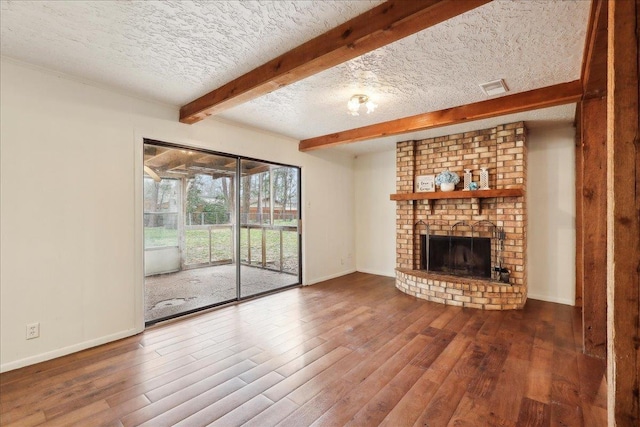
{"x":565,"y":301}
{"x":32,"y":360}
{"x":391,"y":273}
{"x":332,"y":276}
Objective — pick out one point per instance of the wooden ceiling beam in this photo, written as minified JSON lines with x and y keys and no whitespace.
{"x":256,"y":169}
{"x":152,"y":173}
{"x":380,"y":26}
{"x":594,"y":63}
{"x":563,"y":93}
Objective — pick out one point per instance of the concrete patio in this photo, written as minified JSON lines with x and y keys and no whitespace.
{"x":174,"y":293}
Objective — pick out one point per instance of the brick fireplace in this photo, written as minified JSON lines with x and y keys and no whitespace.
{"x":495,"y":219}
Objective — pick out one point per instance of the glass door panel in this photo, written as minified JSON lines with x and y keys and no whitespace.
{"x":203,"y":245}
{"x":189,"y":222}
{"x":269,"y":237}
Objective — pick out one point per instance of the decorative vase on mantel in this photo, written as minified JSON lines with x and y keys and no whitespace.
{"x":447,"y":180}
{"x":484,"y":178}
{"x":447,"y":186}
{"x":467,"y":179}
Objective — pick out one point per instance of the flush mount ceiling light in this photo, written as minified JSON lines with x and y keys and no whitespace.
{"x":356,"y":101}
{"x":495,"y":87}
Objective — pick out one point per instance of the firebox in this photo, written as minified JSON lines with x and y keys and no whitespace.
{"x":456,"y":255}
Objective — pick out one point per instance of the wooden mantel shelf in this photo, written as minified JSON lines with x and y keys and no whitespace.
{"x":459,"y":194}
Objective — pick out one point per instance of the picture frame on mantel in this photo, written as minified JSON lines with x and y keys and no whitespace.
{"x":425,"y":184}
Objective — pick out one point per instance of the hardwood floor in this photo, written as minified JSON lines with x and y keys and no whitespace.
{"x":350,"y":351}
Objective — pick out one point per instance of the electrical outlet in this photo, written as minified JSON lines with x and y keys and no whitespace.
{"x":33,"y":330}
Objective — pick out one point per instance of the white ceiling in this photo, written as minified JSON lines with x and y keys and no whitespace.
{"x":175,"y":51}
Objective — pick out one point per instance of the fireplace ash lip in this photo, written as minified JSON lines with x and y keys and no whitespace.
{"x":456,"y":281}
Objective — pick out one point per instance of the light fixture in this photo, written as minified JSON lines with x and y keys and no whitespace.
{"x":495,"y":87}
{"x":356,"y":101}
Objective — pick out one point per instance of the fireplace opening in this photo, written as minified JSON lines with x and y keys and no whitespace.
{"x":456,"y":255}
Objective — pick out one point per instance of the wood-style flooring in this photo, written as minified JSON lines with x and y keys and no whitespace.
{"x":349,"y":351}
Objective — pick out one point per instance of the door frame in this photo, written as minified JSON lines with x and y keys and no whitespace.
{"x":236,"y":237}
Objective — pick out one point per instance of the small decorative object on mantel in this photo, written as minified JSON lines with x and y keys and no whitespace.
{"x":484,"y":179}
{"x":473,"y":186}
{"x":467,"y":179}
{"x":447,"y":180}
{"x":425,"y":183}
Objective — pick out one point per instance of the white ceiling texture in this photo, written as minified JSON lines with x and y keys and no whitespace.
{"x":176,"y":51}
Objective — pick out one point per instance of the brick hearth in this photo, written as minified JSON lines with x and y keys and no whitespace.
{"x":502,"y":150}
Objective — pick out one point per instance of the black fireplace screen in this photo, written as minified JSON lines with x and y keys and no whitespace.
{"x":461,"y":256}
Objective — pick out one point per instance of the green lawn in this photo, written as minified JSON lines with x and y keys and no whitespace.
{"x":160,"y":236}
{"x":197,"y":245}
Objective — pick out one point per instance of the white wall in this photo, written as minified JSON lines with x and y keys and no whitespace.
{"x":70,"y":209}
{"x":551,"y":244}
{"x":70,"y":215}
{"x":375,"y":180}
{"x":551,"y":215}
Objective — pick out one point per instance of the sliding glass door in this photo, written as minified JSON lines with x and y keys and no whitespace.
{"x":189,"y":221}
{"x":269,"y":238}
{"x":203,"y":246}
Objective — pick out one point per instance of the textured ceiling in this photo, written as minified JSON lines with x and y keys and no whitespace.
{"x":528,"y":44}
{"x":175,"y":51}
{"x":170,"y":51}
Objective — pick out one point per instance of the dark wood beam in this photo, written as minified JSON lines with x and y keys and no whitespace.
{"x":623,"y":213}
{"x":594,"y":63}
{"x":594,"y":84}
{"x":594,"y":226}
{"x":579,"y":211}
{"x":590,"y":166}
{"x":260,"y":168}
{"x":384,"y":24}
{"x":564,"y":93}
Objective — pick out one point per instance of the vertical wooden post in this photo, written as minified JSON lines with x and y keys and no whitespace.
{"x":579,"y":210}
{"x":235,"y":225}
{"x":182,"y":222}
{"x":281,"y":252}
{"x":594,"y":226}
{"x":264,"y":247}
{"x":248,"y":244}
{"x":232,"y":244}
{"x":271,"y":169}
{"x":623,"y":213}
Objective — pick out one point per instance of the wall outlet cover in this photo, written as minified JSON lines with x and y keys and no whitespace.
{"x":33,"y":330}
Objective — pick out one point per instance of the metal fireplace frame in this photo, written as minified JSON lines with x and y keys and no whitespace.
{"x":497,"y":236}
